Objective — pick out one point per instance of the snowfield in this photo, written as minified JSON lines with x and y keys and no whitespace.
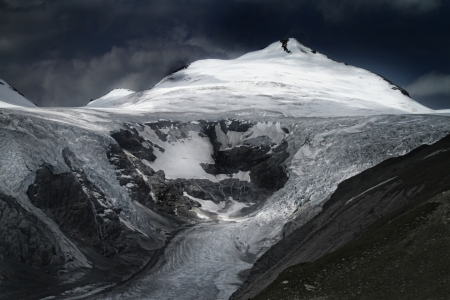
{"x":113,"y":95}
{"x":10,"y":97}
{"x":300,"y":83}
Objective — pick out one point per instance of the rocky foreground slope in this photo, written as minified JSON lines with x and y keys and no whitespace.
{"x":398,"y":230}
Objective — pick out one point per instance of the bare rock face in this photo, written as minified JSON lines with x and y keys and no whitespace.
{"x":127,"y":174}
{"x":271,"y":174}
{"x":132,"y":142}
{"x":259,"y":155}
{"x":22,"y":239}
{"x":77,"y":213}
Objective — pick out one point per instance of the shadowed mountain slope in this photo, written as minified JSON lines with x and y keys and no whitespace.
{"x":359,"y":206}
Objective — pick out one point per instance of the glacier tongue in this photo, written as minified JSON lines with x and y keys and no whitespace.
{"x":205,"y":261}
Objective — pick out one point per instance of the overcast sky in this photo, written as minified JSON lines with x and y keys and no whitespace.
{"x":66,"y":52}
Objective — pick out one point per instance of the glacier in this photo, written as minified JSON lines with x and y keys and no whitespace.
{"x":207,"y":170}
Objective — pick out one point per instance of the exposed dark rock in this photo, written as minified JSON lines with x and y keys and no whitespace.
{"x":31,"y":258}
{"x":182,"y":68}
{"x":241,"y":191}
{"x":127,"y":174}
{"x":284,"y":45}
{"x":140,"y":181}
{"x":156,"y":128}
{"x":264,"y":141}
{"x":394,"y":86}
{"x":16,"y":90}
{"x":210,"y":132}
{"x":238,"y":126}
{"x":271,"y":173}
{"x":256,"y":155}
{"x":177,"y":130}
{"x":22,"y":239}
{"x":168,"y":197}
{"x":402,"y":90}
{"x":134,"y":143}
{"x":241,"y":158}
{"x":77,"y":213}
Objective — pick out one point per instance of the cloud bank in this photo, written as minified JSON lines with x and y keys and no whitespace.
{"x":431,"y":84}
{"x":137,"y":66}
{"x":66,"y":52}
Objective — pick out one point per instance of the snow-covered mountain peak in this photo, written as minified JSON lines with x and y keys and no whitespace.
{"x":11,"y":97}
{"x":286,"y":77}
{"x":286,"y":48}
{"x":111,"y":96}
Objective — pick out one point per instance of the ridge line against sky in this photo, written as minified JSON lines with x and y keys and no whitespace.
{"x":66,"y":52}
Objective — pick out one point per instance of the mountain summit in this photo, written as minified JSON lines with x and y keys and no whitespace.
{"x":111,"y":96}
{"x":286,"y":77}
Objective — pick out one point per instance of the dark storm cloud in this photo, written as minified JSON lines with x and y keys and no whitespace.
{"x":71,"y":51}
{"x":23,"y":4}
{"x":65,"y":52}
{"x":337,"y":10}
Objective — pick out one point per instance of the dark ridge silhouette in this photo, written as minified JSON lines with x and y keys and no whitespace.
{"x":16,"y":90}
{"x":180,"y":69}
{"x":394,"y":86}
{"x":284,"y":45}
